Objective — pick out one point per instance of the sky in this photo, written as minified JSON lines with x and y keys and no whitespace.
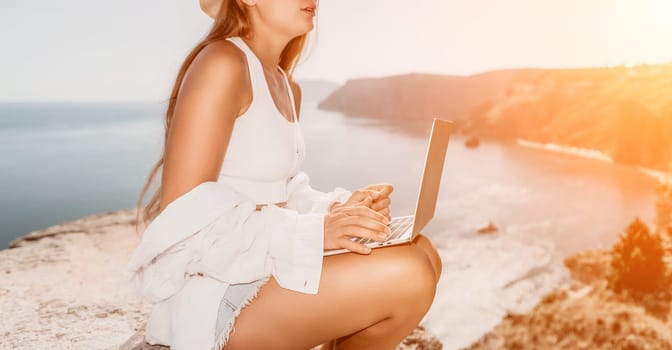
{"x":83,"y":50}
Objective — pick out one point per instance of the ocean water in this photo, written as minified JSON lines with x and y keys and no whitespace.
{"x":61,"y":161}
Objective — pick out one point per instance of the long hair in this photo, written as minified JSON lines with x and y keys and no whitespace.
{"x":232,"y":20}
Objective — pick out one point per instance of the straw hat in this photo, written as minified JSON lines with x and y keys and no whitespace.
{"x":211,"y":7}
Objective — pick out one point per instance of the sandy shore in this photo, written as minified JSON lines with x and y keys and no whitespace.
{"x":586,"y":153}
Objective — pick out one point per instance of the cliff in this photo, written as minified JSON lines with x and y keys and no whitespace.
{"x":63,"y":287}
{"x":618,"y":298}
{"x":586,"y":314}
{"x":624,"y":112}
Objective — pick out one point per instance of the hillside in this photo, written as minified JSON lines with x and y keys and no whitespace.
{"x":625,"y":112}
{"x":586,"y":315}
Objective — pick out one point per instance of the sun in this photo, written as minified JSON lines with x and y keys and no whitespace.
{"x":659,"y":12}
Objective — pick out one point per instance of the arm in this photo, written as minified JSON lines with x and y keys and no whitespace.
{"x":203,"y":225}
{"x":302,"y":196}
{"x":306,"y":199}
{"x":197,"y":137}
{"x":205,"y":112}
{"x":215,"y":230}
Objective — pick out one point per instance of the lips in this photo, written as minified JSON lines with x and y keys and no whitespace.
{"x":309,"y":9}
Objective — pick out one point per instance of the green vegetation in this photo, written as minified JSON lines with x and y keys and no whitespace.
{"x":637,"y":262}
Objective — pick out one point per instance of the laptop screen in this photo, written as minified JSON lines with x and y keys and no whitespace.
{"x":431,"y":175}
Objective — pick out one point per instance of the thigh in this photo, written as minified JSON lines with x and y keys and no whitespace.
{"x":356,"y":291}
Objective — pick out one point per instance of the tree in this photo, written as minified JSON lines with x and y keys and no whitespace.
{"x":637,"y":261}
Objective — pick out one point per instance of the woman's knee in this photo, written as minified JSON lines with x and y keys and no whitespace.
{"x":417,"y":279}
{"x":432,"y":254}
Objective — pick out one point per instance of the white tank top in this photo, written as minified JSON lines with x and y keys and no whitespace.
{"x":265,"y":149}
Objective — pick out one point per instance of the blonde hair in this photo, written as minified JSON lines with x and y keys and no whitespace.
{"x":231,"y":20}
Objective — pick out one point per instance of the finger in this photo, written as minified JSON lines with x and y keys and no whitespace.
{"x":386,"y":212}
{"x":335,"y":205}
{"x":361,"y":194}
{"x":367,"y":202}
{"x":364,"y":227}
{"x":377,"y":191}
{"x":366,"y":233}
{"x":384,"y":188}
{"x":373,"y":194}
{"x":354,"y":247}
{"x":375,"y":225}
{"x":381,"y":204}
{"x":362,"y":211}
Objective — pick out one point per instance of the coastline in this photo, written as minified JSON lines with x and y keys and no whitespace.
{"x":588,"y":153}
{"x":53,"y":237}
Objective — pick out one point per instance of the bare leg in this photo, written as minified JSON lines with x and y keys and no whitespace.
{"x":431,"y":252}
{"x":370,"y":301}
{"x":330,"y":345}
{"x":390,"y":326}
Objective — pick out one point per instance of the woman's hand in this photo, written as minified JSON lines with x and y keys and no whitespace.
{"x":346,"y":221}
{"x":382,"y":203}
{"x":380,"y":199}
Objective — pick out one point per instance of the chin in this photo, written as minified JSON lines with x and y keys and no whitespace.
{"x":305,"y":27}
{"x":304,"y":31}
{"x":296,"y":30}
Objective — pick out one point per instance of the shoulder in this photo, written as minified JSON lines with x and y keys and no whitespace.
{"x":220,"y":61}
{"x":206,"y":107}
{"x":223,"y":51}
{"x":216,"y":74}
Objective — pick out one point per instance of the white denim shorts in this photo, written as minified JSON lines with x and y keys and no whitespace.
{"x":236,"y":297}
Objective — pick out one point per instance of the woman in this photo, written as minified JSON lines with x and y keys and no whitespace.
{"x":223,"y":127}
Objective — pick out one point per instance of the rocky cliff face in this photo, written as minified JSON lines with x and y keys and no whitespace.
{"x":586,"y":314}
{"x":63,"y":288}
{"x":624,"y":112}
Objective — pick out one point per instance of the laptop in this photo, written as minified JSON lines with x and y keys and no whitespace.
{"x":405,"y":228}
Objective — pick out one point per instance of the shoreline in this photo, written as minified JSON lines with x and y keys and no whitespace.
{"x":585,"y":153}
{"x":588,"y":153}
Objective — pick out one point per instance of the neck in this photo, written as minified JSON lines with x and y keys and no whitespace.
{"x":267,"y":47}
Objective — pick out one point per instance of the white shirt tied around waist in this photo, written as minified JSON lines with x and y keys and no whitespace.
{"x":215,"y":231}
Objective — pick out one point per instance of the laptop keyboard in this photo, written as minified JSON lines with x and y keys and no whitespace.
{"x":398,"y":225}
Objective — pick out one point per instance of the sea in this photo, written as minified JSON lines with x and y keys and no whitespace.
{"x":60,"y":161}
